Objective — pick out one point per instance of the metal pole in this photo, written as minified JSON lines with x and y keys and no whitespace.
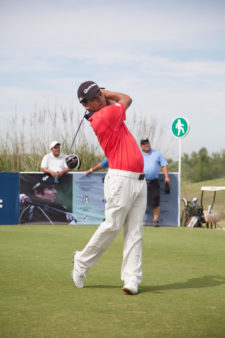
{"x":179,"y":180}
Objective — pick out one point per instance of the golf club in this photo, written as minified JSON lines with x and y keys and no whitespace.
{"x":45,"y":207}
{"x":72,"y":160}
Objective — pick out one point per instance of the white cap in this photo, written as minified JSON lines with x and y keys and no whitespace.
{"x":53,"y":144}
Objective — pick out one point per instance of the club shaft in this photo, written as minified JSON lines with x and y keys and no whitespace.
{"x":76,"y":135}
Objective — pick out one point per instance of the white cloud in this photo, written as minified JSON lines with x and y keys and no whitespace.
{"x":80,"y":31}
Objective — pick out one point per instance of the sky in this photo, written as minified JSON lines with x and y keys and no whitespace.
{"x":168,"y":55}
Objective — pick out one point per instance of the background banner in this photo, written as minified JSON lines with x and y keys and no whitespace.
{"x":88,"y":198}
{"x":9,"y":198}
{"x":34,"y":198}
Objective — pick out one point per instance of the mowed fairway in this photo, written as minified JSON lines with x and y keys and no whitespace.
{"x":182,"y":293}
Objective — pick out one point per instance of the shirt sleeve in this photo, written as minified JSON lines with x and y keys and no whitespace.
{"x":114,"y":115}
{"x":105,"y":163}
{"x":162,"y":160}
{"x":44,"y":162}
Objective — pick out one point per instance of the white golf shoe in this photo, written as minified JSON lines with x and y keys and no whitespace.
{"x":130,"y":287}
{"x":77,"y":276}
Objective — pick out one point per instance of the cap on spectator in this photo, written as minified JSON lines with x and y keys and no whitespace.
{"x":53,"y":144}
{"x":87,"y":91}
{"x":144,"y":140}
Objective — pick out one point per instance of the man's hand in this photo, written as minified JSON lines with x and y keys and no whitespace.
{"x":71,"y":217}
{"x":166,"y":174}
{"x":88,"y":172}
{"x":167,"y":180}
{"x":60,"y":173}
{"x":53,"y":173}
{"x":24,"y":198}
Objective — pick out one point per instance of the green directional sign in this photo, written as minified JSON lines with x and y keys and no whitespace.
{"x":180,"y":127}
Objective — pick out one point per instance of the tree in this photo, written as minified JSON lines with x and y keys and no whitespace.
{"x":200,"y":166}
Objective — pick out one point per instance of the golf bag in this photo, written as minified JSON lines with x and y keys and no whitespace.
{"x":192,"y":215}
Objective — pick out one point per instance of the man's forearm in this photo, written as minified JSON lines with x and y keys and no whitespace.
{"x":65,"y":170}
{"x":97,"y":167}
{"x":48,"y":171}
{"x":166,"y":174}
{"x":117,"y":97}
{"x":62,"y":172}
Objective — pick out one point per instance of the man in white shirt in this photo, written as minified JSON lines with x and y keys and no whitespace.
{"x":54,"y":162}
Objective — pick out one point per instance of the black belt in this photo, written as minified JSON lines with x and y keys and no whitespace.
{"x":150,"y":181}
{"x":141,"y":177}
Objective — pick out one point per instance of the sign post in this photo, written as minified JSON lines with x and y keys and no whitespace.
{"x":180,"y":128}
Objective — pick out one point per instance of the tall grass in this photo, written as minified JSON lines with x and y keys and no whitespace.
{"x":27,"y":140}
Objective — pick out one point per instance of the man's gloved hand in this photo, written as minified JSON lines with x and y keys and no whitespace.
{"x":70,"y":217}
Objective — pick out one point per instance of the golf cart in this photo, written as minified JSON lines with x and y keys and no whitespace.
{"x":194,"y":215}
{"x":211,"y":217}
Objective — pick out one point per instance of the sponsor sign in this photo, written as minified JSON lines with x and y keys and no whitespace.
{"x":9,"y":198}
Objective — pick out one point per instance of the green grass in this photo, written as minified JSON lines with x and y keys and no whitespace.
{"x":182,"y":293}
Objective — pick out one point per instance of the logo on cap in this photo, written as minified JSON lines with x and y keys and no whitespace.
{"x":88,"y":88}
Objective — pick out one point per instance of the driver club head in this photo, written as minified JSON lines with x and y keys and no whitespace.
{"x":73,"y":161}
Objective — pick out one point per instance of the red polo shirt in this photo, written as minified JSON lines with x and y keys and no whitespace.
{"x":115,"y":139}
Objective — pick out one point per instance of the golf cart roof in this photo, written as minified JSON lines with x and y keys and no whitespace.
{"x":212,"y":188}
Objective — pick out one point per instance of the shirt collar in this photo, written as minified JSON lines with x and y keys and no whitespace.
{"x":88,"y":115}
{"x":146,"y":153}
{"x":51,"y":154}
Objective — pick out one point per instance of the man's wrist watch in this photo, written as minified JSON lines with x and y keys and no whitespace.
{"x":91,"y":170}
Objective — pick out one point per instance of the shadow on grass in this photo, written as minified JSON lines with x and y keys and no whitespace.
{"x":193,"y":283}
{"x":102,"y":286}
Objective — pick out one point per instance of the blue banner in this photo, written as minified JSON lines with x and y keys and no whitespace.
{"x":9,"y":198}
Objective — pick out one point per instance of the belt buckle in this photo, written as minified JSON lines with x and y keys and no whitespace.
{"x":141,"y":177}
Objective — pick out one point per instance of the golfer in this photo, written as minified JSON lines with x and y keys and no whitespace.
{"x":124,"y":186}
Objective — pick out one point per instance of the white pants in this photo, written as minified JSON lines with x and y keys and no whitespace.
{"x":125,"y":206}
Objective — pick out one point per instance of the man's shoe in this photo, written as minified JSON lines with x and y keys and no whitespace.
{"x":131,"y":288}
{"x":156,"y":223}
{"x":77,"y":276}
{"x":78,"y":279}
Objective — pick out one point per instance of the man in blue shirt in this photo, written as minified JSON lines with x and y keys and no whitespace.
{"x":152,"y":160}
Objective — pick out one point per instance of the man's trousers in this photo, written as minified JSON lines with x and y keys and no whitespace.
{"x":125,"y":194}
